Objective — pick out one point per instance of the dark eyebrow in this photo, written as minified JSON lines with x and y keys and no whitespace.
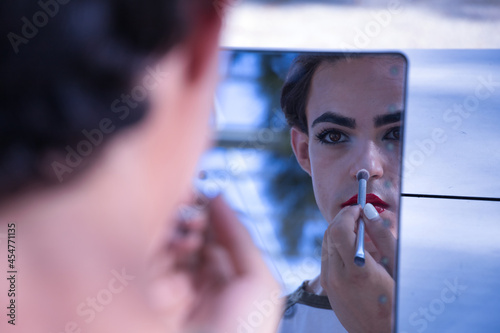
{"x":332,"y":117}
{"x":385,"y":119}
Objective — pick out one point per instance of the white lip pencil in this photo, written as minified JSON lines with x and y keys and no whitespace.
{"x":359,"y":258}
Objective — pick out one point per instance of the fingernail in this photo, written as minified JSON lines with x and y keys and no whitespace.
{"x":370,"y":211}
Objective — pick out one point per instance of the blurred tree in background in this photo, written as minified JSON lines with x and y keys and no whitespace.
{"x":289,"y":188}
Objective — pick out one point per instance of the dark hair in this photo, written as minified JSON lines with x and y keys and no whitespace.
{"x":295,"y":91}
{"x":63,"y":63}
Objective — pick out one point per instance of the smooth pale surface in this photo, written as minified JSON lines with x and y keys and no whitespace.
{"x":449,"y":250}
{"x":448,"y":152}
{"x":449,"y":266}
{"x":362,"y":24}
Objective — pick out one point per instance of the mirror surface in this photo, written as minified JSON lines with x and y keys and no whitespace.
{"x":353,"y":111}
{"x":449,"y":254}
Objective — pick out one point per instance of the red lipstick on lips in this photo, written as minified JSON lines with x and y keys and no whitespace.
{"x":379,"y":204}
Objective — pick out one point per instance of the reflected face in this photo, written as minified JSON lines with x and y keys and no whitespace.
{"x":354,"y":117}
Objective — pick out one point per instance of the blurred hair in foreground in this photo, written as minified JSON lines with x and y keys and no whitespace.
{"x":100,"y":100}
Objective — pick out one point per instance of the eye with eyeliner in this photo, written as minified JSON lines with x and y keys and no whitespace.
{"x":393,"y":134}
{"x":332,"y":137}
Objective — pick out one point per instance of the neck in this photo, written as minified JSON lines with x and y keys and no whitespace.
{"x":76,"y":242}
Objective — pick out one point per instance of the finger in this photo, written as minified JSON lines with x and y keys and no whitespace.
{"x":332,"y":266}
{"x":342,"y":235}
{"x":382,"y":237}
{"x":216,"y":268}
{"x":187,"y":244}
{"x":231,"y":235}
{"x":190,"y":230}
{"x":195,"y":219}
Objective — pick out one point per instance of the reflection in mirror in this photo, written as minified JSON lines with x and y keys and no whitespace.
{"x":449,"y":254}
{"x":293,"y":130}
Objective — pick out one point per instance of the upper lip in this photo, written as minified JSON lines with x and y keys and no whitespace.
{"x":370,"y":198}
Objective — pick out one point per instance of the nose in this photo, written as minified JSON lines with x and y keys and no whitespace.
{"x":368,"y":157}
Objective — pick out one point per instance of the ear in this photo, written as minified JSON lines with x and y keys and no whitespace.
{"x":201,"y":46}
{"x":300,"y":145}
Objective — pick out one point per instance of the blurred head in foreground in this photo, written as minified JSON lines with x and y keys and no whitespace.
{"x":104,"y":111}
